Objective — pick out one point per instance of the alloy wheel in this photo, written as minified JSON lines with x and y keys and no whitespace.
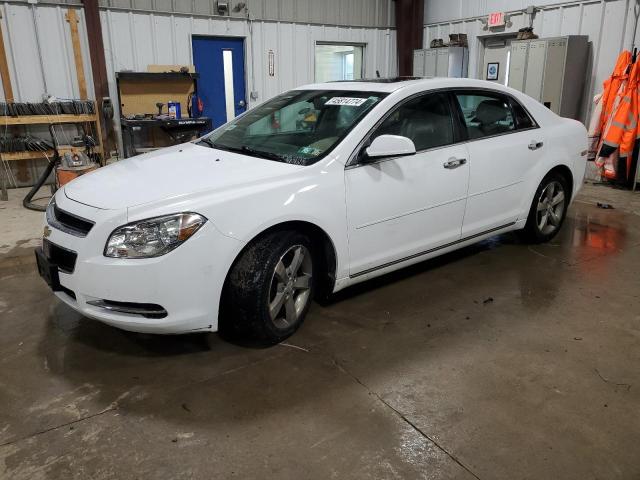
{"x":550,"y":209}
{"x":290,"y":288}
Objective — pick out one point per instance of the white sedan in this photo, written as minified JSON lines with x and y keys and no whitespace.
{"x":315,"y":190}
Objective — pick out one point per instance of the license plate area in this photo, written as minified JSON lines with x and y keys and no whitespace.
{"x":47,"y":270}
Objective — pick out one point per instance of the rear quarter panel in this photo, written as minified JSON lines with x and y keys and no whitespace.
{"x":565,"y":143}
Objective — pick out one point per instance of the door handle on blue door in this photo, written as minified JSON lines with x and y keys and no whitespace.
{"x":454,"y":162}
{"x":534,"y":145}
{"x":242,"y":104}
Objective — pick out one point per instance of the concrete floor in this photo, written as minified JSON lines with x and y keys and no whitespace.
{"x":501,"y":361}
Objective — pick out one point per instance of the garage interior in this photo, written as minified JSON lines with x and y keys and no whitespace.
{"x":500,"y":360}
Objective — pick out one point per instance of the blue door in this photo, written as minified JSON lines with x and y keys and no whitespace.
{"x":221,"y":86}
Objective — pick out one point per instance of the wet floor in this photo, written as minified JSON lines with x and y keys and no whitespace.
{"x":501,"y":361}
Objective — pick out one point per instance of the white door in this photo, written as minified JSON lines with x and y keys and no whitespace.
{"x":497,"y":56}
{"x":404,"y":206}
{"x":504,"y":146}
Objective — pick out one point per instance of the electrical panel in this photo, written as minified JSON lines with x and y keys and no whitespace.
{"x":441,"y":62}
{"x":551,"y":70}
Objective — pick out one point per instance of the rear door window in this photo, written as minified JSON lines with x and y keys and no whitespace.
{"x":486,"y":114}
{"x":522,"y":117}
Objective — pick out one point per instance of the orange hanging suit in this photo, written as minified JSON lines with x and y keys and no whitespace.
{"x":621,"y":131}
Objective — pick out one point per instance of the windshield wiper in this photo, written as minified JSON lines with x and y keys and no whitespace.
{"x":208,"y":141}
{"x":261,"y":153}
{"x":244,"y":149}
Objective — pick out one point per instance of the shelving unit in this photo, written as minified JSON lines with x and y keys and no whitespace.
{"x":47,"y":119}
{"x":28,"y":120}
{"x":35,"y":155}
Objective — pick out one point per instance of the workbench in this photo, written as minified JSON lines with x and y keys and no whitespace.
{"x":179,"y":130}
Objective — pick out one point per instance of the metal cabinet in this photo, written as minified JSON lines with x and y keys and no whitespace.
{"x":441,"y":62}
{"x":551,"y":70}
{"x":430,"y":58}
{"x":418,"y":63}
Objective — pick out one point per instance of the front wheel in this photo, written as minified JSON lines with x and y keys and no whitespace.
{"x":270,"y":288}
{"x":548,"y":209}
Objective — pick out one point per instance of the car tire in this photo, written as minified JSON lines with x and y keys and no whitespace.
{"x":269,"y":288}
{"x":548,"y":209}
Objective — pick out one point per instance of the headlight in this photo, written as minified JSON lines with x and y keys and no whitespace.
{"x":152,"y":237}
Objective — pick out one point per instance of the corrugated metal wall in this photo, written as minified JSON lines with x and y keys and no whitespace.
{"x":608,"y":23}
{"x":134,"y":38}
{"x":439,"y":11}
{"x":21,"y":26}
{"x":369,"y":13}
{"x":361,"y":13}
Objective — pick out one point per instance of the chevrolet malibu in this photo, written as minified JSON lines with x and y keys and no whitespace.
{"x":315,"y":190}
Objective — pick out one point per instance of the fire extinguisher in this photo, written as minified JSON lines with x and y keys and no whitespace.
{"x":199,"y":105}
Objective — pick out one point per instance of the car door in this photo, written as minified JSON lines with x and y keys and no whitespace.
{"x":504,"y":144}
{"x":399,"y":208}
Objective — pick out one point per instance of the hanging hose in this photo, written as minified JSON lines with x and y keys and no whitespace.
{"x":43,"y":178}
{"x":27,"y":202}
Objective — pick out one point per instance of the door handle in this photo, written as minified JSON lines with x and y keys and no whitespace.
{"x":454,"y":162}
{"x":535,"y":145}
{"x":242,"y":104}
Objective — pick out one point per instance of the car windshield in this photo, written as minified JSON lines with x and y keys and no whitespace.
{"x":297,"y":127}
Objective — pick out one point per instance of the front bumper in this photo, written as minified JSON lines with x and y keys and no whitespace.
{"x":186,"y":282}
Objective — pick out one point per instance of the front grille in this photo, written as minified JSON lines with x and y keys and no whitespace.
{"x":64,"y":259}
{"x":68,"y":222}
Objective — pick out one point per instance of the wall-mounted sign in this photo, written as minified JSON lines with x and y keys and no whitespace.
{"x":493,"y":70}
{"x":496,"y":19}
{"x":271,"y":63}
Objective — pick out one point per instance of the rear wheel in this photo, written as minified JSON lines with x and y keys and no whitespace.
{"x":270,"y":288}
{"x":548,"y":210}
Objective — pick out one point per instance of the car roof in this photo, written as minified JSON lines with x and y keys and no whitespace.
{"x":389,"y":85}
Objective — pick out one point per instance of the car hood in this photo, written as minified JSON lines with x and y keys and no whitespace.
{"x":170,"y":172}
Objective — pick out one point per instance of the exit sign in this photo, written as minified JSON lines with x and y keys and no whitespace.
{"x":496,"y":19}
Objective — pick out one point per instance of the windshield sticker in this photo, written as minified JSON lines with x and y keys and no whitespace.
{"x":347,"y":101}
{"x":310,"y":151}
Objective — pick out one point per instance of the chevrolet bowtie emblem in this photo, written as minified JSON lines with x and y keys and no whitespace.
{"x":46,"y":232}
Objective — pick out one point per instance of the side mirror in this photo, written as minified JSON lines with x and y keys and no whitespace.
{"x":390,"y":146}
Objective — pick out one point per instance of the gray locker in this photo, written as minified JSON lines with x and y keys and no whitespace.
{"x":535,"y":69}
{"x":518,"y":65}
{"x":552,"y":85}
{"x":430,"y":62}
{"x":418,"y":63}
{"x":458,"y":62}
{"x":551,"y":70}
{"x":442,"y":62}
